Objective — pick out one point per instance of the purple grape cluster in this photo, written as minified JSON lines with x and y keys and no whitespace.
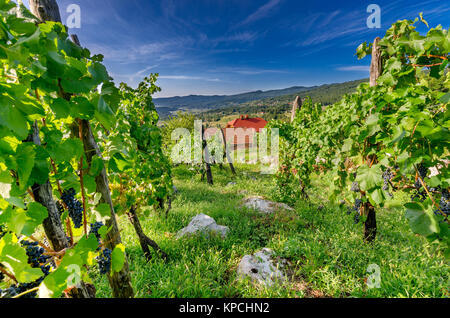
{"x":35,"y":254}
{"x":94,"y":229}
{"x":75,"y":207}
{"x":444,"y":203}
{"x":387,"y":177}
{"x":423,"y":171}
{"x":356,"y":219}
{"x":104,"y":261}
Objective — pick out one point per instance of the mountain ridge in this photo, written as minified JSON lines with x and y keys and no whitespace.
{"x":215,"y":101}
{"x":212,"y":104}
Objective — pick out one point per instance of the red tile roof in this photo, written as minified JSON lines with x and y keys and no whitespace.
{"x":245,"y":122}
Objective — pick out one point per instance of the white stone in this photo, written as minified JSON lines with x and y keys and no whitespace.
{"x":231,"y":183}
{"x":203,"y":224}
{"x":264,"y":206}
{"x":260,"y":267}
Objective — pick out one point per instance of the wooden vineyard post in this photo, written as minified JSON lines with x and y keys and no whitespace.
{"x":54,"y":231}
{"x":120,"y":281}
{"x":227,"y":154}
{"x":48,"y":10}
{"x":296,"y":105}
{"x":45,"y":10}
{"x":43,"y":194}
{"x":207,"y":160}
{"x":376,"y":63}
{"x":370,"y":225}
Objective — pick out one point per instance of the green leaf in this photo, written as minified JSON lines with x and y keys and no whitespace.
{"x":421,"y":221}
{"x":348,"y":144}
{"x":61,"y":108}
{"x":104,"y":113}
{"x":77,"y":86}
{"x":36,"y":213}
{"x":369,"y":178}
{"x":445,"y":98}
{"x":118,"y":258}
{"x":99,"y":73}
{"x":11,"y":118}
{"x":89,"y":183}
{"x":25,"y":155}
{"x":96,"y":166}
{"x":41,"y":170}
{"x":82,"y":108}
{"x":67,"y":150}
{"x":372,"y":124}
{"x":103,"y":209}
{"x":120,"y":162}
{"x":376,"y":197}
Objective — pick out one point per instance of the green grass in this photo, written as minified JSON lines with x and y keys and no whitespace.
{"x":325,"y":252}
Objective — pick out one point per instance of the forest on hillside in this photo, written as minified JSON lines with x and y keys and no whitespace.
{"x":344,"y":195}
{"x":279,"y":107}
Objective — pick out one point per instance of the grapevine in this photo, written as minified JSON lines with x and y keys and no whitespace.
{"x":383,"y":137}
{"x":49,"y":85}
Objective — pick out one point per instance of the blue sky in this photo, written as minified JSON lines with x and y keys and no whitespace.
{"x":232,"y":46}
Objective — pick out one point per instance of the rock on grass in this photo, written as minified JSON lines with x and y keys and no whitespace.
{"x":203,"y":224}
{"x":264,"y":206}
{"x":260,"y":268}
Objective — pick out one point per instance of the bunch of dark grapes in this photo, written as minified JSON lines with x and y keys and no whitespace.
{"x":357,"y":206}
{"x":18,"y":289}
{"x":444,"y":203}
{"x":417,"y":184}
{"x":349,"y":210}
{"x":94,"y":229}
{"x":104,"y":261}
{"x":75,"y":207}
{"x":387,"y":176}
{"x":356,"y":218}
{"x":423,"y":171}
{"x":355,"y":187}
{"x":35,"y":254}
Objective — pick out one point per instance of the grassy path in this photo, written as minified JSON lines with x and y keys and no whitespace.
{"x":326,"y":255}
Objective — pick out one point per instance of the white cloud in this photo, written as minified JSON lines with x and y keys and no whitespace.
{"x":354,"y":68}
{"x":245,"y":71}
{"x":237,"y":37}
{"x":134,"y":53}
{"x":262,"y":12}
{"x":187,"y":77}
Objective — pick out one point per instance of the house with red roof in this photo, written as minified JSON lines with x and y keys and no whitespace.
{"x":245,"y":129}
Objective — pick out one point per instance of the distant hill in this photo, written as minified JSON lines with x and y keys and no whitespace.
{"x":202,"y":102}
{"x":278,"y":107}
